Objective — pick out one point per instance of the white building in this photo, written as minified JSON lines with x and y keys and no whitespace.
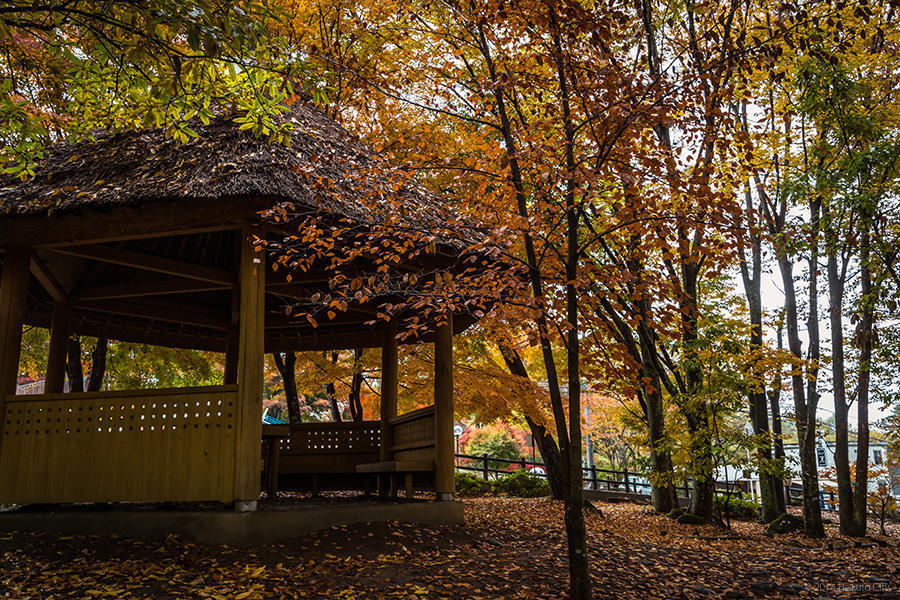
{"x":825,"y":453}
{"x":878,"y":451}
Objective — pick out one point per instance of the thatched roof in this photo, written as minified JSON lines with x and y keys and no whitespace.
{"x":324,"y":168}
{"x":125,"y":226}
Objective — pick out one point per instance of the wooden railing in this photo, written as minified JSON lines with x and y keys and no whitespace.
{"x":412,"y":435}
{"x":328,"y":447}
{"x":138,"y":446}
{"x":319,"y":450}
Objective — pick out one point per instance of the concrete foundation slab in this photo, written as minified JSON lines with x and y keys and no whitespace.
{"x":217,"y":527}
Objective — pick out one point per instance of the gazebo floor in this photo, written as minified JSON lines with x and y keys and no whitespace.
{"x":216,"y":524}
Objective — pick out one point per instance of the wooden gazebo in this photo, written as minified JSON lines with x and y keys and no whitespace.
{"x":140,"y":238}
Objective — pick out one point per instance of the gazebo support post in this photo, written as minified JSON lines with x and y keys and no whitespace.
{"x":13,"y":289}
{"x":389,"y":387}
{"x":233,"y":334}
{"x":445,"y":485}
{"x":56,"y":355}
{"x":233,"y":338}
{"x":252,"y":275}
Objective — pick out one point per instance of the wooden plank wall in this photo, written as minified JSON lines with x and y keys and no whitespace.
{"x":413,"y":435}
{"x":136,"y":446}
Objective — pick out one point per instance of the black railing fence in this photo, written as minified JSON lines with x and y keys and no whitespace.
{"x":629,"y":482}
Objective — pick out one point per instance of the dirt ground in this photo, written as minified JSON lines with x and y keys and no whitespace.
{"x":508,"y":548}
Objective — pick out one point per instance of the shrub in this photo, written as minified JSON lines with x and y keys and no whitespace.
{"x":468,"y":484}
{"x":521,"y":484}
{"x":495,"y":440}
{"x":737,"y":508}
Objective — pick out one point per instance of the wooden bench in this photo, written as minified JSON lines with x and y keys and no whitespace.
{"x":412,"y":451}
{"x":314,"y":453}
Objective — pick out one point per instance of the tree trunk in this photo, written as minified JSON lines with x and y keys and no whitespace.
{"x":696,"y":410}
{"x":356,"y":383}
{"x":286,"y":363}
{"x":777,"y":433}
{"x":98,"y":365}
{"x":812,"y":511}
{"x":812,"y":508}
{"x":759,"y":415}
{"x":839,"y":390}
{"x":544,"y":440}
{"x":579,"y":576}
{"x":331,"y":394}
{"x":552,"y":461}
{"x":74,"y":371}
{"x":866,"y":342}
{"x":579,"y":581}
{"x":662,"y":492}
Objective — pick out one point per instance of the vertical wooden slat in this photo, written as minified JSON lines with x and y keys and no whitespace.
{"x":56,"y":355}
{"x":248,"y":411}
{"x":443,"y":410}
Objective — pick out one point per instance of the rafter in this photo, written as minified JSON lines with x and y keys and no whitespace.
{"x":43,"y":275}
{"x":148,"y":288}
{"x":149,"y":262}
{"x":158,"y":310}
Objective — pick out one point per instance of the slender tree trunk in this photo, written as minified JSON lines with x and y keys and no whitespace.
{"x":74,"y":371}
{"x":663,"y":493}
{"x":331,"y":394}
{"x":98,"y":365}
{"x":579,"y":583}
{"x":759,"y":416}
{"x":579,"y":576}
{"x":866,"y":342}
{"x":696,"y":410}
{"x":286,"y":365}
{"x":546,"y":443}
{"x":839,"y":387}
{"x":356,"y":383}
{"x":777,"y":433}
{"x":812,"y":508}
{"x":806,"y":435}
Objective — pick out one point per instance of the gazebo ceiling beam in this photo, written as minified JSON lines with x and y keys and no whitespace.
{"x":285,"y":322}
{"x":148,"y":288}
{"x":170,"y":312}
{"x":45,"y":277}
{"x":149,"y":262}
{"x":149,"y":220}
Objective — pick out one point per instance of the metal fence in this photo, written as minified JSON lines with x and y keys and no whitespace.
{"x":629,"y":482}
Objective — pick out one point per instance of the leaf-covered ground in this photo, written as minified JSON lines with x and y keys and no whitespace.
{"x":509,"y":548}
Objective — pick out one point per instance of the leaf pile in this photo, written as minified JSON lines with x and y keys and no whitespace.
{"x":509,"y":548}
